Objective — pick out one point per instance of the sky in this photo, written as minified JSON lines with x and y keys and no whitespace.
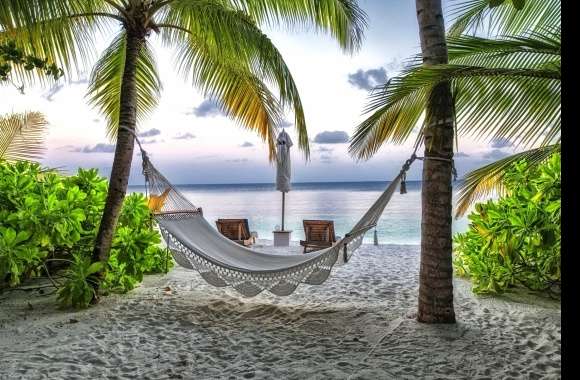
{"x":191,"y":142}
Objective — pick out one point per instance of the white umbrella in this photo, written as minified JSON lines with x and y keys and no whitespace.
{"x":283,"y":172}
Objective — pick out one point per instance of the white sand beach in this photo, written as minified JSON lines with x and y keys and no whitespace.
{"x":358,"y":325}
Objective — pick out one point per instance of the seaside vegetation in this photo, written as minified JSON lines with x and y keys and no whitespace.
{"x":48,"y":225}
{"x":515,"y":240}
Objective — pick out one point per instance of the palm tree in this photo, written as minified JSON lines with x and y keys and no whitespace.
{"x":505,"y":87}
{"x":22,"y":136}
{"x":436,"y":272}
{"x":219,"y":46}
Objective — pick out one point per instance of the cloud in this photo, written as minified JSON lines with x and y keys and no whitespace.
{"x":99,"y":148}
{"x":501,"y":143}
{"x":151,"y":141}
{"x":326,"y":158}
{"x":368,"y":79}
{"x":52,"y":91}
{"x":495,"y":154}
{"x":460,"y":154}
{"x":57,"y":87}
{"x":331,"y":137}
{"x":395,"y":64}
{"x":150,"y":133}
{"x":285,"y":124}
{"x":238,"y":160}
{"x":207,"y":108}
{"x":184,"y":136}
{"x":324,"y":149}
{"x":246,"y":144}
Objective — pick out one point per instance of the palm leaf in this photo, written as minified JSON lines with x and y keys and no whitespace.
{"x":473,"y":16}
{"x":343,"y":19}
{"x":22,"y":136}
{"x":104,"y":90}
{"x":484,"y":181}
{"x":231,"y":36}
{"x":63,"y":31}
{"x":518,"y":104}
{"x":529,"y":50}
{"x":241,"y":95}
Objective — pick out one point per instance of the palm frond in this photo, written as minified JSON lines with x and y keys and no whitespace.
{"x":484,"y":181}
{"x":473,"y":16}
{"x":343,"y":19}
{"x":22,"y":136}
{"x":522,"y":105}
{"x":230,"y":35}
{"x":63,"y":31}
{"x":529,"y":50}
{"x":241,"y":94}
{"x":396,"y":108}
{"x":104,"y":90}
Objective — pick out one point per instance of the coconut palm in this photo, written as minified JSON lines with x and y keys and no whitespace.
{"x":219,"y":46}
{"x":436,"y":272}
{"x":505,"y":87}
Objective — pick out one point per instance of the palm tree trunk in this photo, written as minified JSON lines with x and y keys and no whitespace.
{"x":123,"y":151}
{"x":436,"y":273}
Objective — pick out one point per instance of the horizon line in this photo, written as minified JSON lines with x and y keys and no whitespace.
{"x":274,"y":183}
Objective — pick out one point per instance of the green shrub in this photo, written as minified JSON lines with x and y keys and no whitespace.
{"x":48,"y":217}
{"x":135,"y":250}
{"x":515,"y":240}
{"x":78,"y":290}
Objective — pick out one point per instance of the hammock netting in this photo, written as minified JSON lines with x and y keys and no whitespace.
{"x":195,"y":244}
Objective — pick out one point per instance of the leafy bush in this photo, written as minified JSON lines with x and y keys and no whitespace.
{"x":78,"y":290}
{"x":515,"y":240}
{"x":135,"y":250}
{"x":46,"y":217}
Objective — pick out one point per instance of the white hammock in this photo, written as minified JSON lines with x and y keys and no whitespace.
{"x":195,"y":244}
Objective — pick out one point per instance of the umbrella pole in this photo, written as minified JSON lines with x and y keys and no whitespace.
{"x":283,"y":202}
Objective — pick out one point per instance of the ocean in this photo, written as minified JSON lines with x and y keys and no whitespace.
{"x":342,"y":202}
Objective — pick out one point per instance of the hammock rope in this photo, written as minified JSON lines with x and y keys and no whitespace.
{"x":196,"y":244}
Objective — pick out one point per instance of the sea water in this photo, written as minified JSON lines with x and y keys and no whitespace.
{"x":342,"y":202}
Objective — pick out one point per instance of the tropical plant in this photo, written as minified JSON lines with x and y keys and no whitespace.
{"x":22,"y":136}
{"x":516,"y":240}
{"x":79,"y":289}
{"x":436,"y":274}
{"x":135,"y":250}
{"x":219,"y":46}
{"x":16,"y":256}
{"x":48,"y":224}
{"x":14,"y":59}
{"x":505,"y":88}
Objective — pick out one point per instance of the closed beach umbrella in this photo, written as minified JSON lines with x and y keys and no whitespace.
{"x":283,"y":172}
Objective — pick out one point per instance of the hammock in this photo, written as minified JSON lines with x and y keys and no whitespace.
{"x":195,"y":244}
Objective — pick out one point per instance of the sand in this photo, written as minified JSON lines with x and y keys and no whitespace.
{"x":358,"y":325}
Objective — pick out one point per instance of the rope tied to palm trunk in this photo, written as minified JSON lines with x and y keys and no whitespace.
{"x":409,"y":162}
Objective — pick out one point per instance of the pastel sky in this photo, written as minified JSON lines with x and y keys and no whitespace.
{"x":191,"y":142}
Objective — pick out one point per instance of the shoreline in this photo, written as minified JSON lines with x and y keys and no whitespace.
{"x":357,"y":325}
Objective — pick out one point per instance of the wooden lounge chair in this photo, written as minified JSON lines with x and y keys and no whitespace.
{"x":319,"y":234}
{"x":237,"y":230}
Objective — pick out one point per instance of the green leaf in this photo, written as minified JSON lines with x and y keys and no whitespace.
{"x":95,"y":267}
{"x":519,"y":4}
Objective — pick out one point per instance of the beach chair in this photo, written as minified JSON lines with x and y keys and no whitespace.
{"x":237,"y":230}
{"x":319,"y":234}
